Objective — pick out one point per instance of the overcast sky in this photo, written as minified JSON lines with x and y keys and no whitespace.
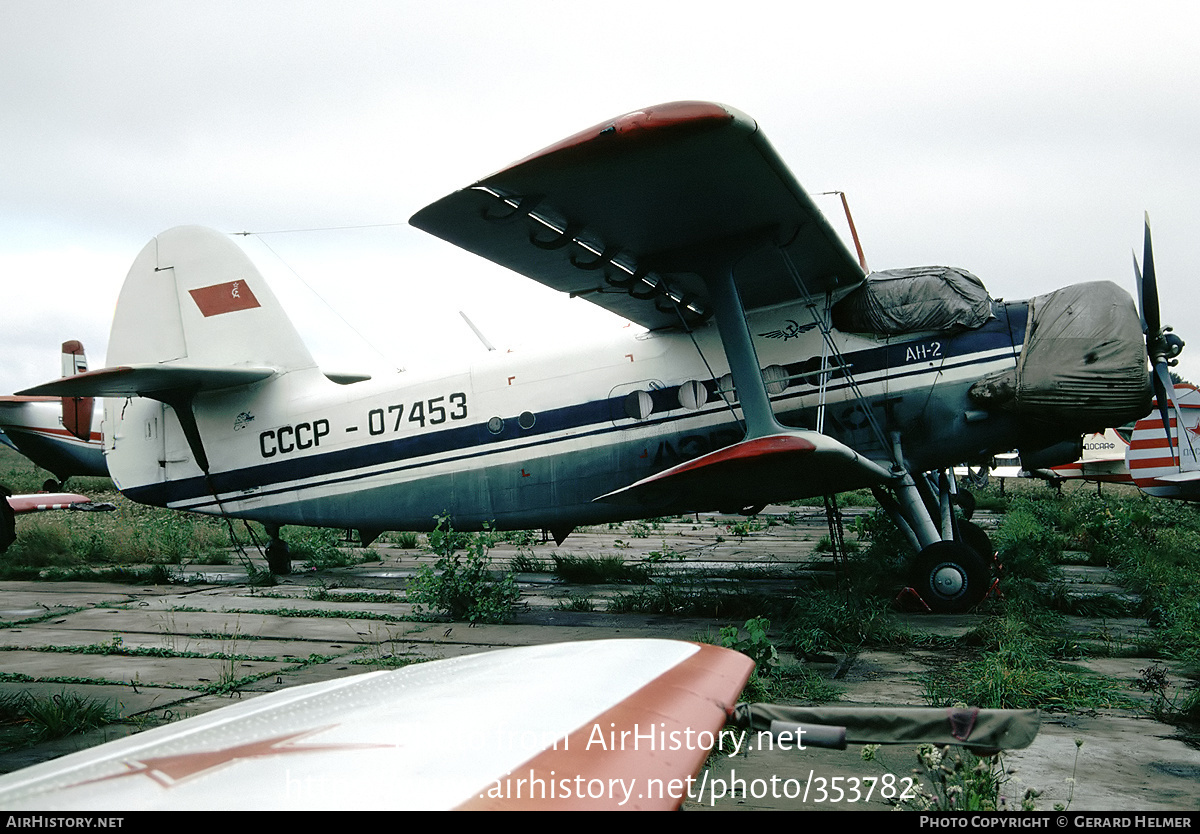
{"x":1020,"y":141}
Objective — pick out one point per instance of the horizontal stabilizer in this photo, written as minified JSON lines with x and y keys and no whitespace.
{"x":1180,"y":477}
{"x":778,"y":467}
{"x":152,"y":381}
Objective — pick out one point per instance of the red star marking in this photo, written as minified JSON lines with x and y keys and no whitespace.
{"x":171,"y":770}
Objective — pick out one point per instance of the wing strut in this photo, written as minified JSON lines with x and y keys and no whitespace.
{"x":739,"y":348}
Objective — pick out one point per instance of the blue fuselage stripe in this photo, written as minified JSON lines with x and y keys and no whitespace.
{"x":581,"y":420}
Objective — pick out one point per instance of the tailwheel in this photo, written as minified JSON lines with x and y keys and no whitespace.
{"x":951,"y":577}
{"x":279,"y":559}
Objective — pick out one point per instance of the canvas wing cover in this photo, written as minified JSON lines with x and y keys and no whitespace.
{"x":622,"y":213}
{"x":992,"y":729}
{"x":896,"y":301}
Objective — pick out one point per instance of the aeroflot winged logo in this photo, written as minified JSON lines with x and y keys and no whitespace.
{"x":224,"y":298}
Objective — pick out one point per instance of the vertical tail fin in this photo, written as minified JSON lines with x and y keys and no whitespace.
{"x":193,"y":297}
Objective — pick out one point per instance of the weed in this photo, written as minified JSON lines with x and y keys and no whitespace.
{"x":522,"y":538}
{"x":822,"y":622}
{"x":692,"y":600}
{"x":662,"y":554}
{"x":324,"y":593}
{"x":958,"y":780}
{"x":1180,"y":707}
{"x":259,"y":577}
{"x":29,"y":719}
{"x":1016,"y":677}
{"x":746,"y":526}
{"x":756,"y":645}
{"x":526,"y":562}
{"x":887,"y":547}
{"x":321,"y":548}
{"x":575,"y":602}
{"x":598,"y":570}
{"x":386,"y":651}
{"x":771,"y":680}
{"x":462,"y":586}
{"x":405,"y":539}
{"x":638,"y":529}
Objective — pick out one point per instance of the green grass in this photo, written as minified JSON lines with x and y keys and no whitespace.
{"x":575,"y":602}
{"x":29,"y":719}
{"x":684,"y":597}
{"x":824,"y":621}
{"x":598,"y":570}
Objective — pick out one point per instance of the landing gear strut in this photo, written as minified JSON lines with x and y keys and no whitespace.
{"x":952,"y":570}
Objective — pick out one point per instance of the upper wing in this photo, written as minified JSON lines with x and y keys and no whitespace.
{"x":458,"y":733}
{"x":620,"y":212}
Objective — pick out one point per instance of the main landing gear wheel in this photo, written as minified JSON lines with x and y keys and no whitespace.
{"x":951,"y":577}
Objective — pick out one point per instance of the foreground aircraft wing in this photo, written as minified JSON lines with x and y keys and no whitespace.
{"x":622,"y":213}
{"x":534,"y":727}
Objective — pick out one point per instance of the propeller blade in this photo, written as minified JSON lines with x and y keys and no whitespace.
{"x":1137,"y":280}
{"x":1162,"y":346}
{"x":1147,"y":287}
{"x":1163,"y":391}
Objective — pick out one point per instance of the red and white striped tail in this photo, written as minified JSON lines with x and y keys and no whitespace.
{"x":1151,"y":458}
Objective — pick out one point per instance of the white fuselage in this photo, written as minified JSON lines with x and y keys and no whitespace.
{"x":530,"y":439}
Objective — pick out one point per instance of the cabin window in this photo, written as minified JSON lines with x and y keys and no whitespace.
{"x":638,"y":405}
{"x":775,"y":377}
{"x":692,"y":395}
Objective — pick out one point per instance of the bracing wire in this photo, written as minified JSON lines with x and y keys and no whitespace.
{"x":309,"y":287}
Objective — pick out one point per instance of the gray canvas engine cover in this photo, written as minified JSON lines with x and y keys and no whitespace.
{"x":1083,"y":353}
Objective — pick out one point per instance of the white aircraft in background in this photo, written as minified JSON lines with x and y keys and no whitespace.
{"x":1103,"y":460}
{"x":59,"y":434}
{"x":1158,"y":463}
{"x":773,"y":366}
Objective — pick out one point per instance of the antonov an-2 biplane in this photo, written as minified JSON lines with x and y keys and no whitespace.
{"x":59,"y":434}
{"x":772,"y":366}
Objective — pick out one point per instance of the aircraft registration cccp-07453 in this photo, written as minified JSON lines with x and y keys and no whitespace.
{"x":772,"y":366}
